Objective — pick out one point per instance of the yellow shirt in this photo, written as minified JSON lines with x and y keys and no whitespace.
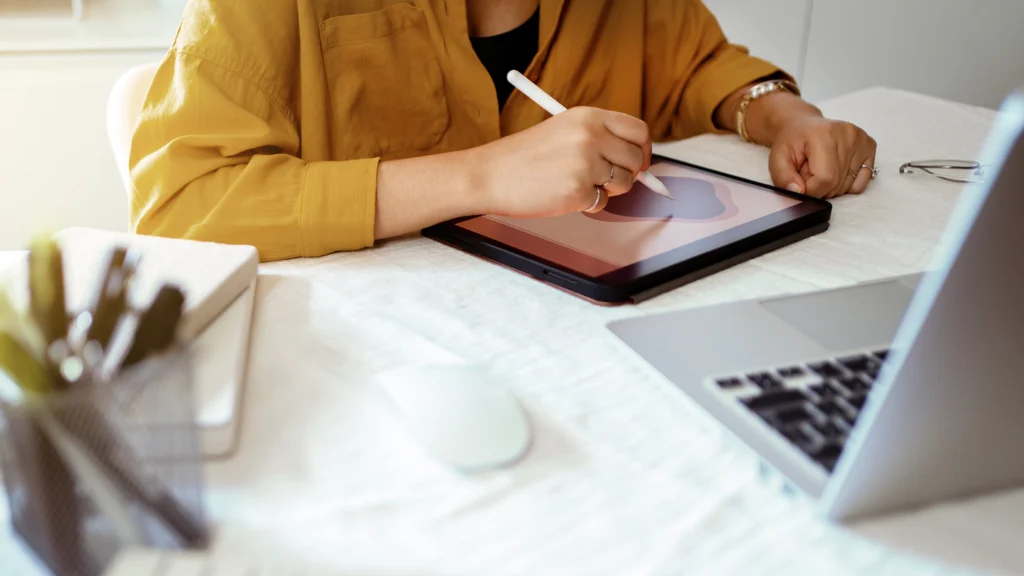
{"x":268,"y":118}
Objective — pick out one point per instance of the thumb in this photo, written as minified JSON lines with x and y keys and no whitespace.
{"x":784,"y":167}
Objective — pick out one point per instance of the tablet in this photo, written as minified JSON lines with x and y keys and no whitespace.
{"x":644,"y":244}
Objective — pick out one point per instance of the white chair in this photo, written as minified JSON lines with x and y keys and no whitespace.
{"x":123,"y":110}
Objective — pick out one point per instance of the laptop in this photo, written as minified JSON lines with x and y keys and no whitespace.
{"x":882,"y":396}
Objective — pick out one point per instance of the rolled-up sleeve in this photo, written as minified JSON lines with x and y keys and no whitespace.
{"x":216,"y":158}
{"x":691,"y":68}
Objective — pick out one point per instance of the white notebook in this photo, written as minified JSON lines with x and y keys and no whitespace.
{"x":219,"y":282}
{"x":212,"y":275}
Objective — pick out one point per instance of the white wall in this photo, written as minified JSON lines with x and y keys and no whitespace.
{"x":965,"y":50}
{"x":56,"y":168}
{"x":775,"y":30}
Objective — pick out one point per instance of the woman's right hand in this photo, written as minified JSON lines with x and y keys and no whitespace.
{"x":555,"y":168}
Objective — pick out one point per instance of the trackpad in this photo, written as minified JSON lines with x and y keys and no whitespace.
{"x":849,"y":318}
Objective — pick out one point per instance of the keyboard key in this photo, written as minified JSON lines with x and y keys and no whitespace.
{"x":849,"y":411}
{"x":822,"y":428}
{"x":856,"y":363}
{"x":858,"y":400}
{"x":852,"y":384}
{"x":831,"y":430}
{"x":872,"y":372}
{"x":729,"y":383}
{"x":829,"y":463}
{"x":792,"y":372}
{"x":829,"y":449}
{"x":765,"y":381}
{"x":839,"y":388}
{"x":829,"y":407}
{"x":865,"y":382}
{"x":796,"y":435}
{"x":822,"y":391}
{"x":792,"y":414}
{"x":774,"y":398}
{"x":811,"y":431}
{"x":841,"y":426}
{"x":826,"y":369}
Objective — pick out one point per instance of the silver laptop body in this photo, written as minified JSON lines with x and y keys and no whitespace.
{"x":881,"y":396}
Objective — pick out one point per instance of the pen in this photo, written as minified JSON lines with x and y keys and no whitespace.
{"x":22,"y":367}
{"x":157,"y":326}
{"x":46,"y":289}
{"x":110,"y":300}
{"x":545,"y":101}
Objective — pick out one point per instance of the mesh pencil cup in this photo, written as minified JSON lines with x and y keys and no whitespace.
{"x":106,"y":466}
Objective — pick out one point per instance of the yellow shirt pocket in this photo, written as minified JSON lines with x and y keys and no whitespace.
{"x":385,"y":83}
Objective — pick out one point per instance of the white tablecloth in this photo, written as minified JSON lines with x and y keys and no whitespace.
{"x":625,"y":476}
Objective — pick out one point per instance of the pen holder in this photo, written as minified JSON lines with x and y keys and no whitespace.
{"x":106,"y":466}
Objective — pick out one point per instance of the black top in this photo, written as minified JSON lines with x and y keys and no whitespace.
{"x":512,"y":50}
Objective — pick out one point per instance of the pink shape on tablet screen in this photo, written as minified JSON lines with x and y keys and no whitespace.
{"x":696,"y":200}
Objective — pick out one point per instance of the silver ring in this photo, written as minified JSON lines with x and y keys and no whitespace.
{"x":611,"y":177}
{"x":597,"y":201}
{"x":874,"y":170}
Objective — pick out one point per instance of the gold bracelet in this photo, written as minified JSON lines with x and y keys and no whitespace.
{"x":755,"y":92}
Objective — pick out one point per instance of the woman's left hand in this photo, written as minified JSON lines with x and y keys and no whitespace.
{"x":821,"y":157}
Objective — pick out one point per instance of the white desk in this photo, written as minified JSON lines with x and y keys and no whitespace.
{"x":625,"y":476}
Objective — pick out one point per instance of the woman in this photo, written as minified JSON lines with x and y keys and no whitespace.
{"x":313,"y":126}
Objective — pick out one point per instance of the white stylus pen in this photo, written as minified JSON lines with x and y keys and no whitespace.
{"x":545,"y":101}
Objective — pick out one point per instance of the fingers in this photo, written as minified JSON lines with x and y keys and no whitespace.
{"x":614,"y":179}
{"x":853,"y":169}
{"x":622,"y":182}
{"x":864,"y":175}
{"x":632,"y":130}
{"x":855,"y":149}
{"x":824,"y":166}
{"x":856,"y":168}
{"x":622,"y":153}
{"x":852,"y":144}
{"x":784,"y":166}
{"x":596,"y":201}
{"x":848,"y":180}
{"x":856,"y":153}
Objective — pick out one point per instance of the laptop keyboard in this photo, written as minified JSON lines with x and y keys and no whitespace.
{"x":815,"y":405}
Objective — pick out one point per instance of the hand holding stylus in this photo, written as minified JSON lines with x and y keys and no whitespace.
{"x":553,"y":107}
{"x":572,"y":162}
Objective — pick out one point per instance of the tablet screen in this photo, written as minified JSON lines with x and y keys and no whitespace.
{"x":639,"y":225}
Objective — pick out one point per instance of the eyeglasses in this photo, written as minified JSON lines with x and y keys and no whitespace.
{"x":959,"y":171}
